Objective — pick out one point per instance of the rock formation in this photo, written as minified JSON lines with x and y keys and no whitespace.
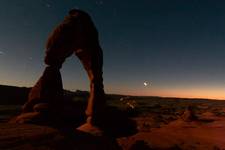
{"x":76,"y":34}
{"x":189,"y":114}
{"x":46,"y":104}
{"x":34,"y":137}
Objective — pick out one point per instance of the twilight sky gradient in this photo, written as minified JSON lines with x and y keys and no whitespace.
{"x":178,"y":46}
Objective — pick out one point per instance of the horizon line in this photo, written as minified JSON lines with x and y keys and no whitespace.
{"x":177,"y":97}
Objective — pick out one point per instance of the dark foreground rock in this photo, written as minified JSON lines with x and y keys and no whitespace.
{"x":116,"y":123}
{"x":34,"y":137}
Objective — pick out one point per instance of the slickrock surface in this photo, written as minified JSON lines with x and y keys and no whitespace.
{"x":34,"y":137}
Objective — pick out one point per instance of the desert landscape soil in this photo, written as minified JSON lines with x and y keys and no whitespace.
{"x":206,"y":133}
{"x":162,"y":124}
{"x":178,"y":134}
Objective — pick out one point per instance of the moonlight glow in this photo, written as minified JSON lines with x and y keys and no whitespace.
{"x":145,"y":83}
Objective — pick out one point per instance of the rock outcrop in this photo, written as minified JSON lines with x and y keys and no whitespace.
{"x":189,"y":114}
{"x":34,"y":137}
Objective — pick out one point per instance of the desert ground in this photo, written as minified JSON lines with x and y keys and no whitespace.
{"x":170,"y":124}
{"x":136,"y":123}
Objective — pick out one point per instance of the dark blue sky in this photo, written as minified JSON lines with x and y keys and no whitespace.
{"x":177,"y":46}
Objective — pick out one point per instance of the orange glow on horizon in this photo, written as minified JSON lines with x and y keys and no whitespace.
{"x":199,"y":92}
{"x":183,"y":94}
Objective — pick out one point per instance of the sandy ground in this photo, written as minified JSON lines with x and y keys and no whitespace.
{"x":208,"y":133}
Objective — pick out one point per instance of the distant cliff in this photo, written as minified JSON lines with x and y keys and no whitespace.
{"x":11,"y":95}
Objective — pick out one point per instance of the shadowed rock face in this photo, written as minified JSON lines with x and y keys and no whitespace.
{"x":76,"y":34}
{"x":48,"y":90}
{"x":116,"y":123}
{"x":140,"y":145}
{"x":33,"y":137}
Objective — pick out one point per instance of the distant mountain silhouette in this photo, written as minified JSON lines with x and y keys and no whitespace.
{"x":12,"y":95}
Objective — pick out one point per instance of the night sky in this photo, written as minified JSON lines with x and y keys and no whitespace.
{"x":151,"y":47}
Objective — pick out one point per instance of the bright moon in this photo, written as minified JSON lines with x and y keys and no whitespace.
{"x":145,"y":83}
